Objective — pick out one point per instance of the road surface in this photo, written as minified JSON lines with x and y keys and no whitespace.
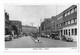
{"x":27,"y":42}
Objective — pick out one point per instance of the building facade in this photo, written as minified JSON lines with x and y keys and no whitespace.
{"x":16,"y":26}
{"x":46,"y":26}
{"x":65,"y":23}
{"x":7,"y":23}
{"x":69,"y":27}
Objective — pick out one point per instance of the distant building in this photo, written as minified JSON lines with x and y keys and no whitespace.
{"x":46,"y":26}
{"x":29,"y":29}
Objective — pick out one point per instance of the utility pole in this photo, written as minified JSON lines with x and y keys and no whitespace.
{"x":32,"y":26}
{"x":40,"y":27}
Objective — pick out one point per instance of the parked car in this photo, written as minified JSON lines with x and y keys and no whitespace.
{"x":15,"y":36}
{"x":8,"y":37}
{"x":54,"y":35}
{"x":69,"y":39}
{"x":57,"y":37}
{"x":63,"y":38}
{"x":48,"y":36}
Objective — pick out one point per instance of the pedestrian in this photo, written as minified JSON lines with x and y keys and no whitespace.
{"x":38,"y":39}
{"x":12,"y":33}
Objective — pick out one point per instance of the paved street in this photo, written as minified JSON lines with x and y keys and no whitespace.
{"x":27,"y":42}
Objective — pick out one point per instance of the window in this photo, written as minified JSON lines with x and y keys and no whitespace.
{"x":72,"y":21}
{"x":59,"y":17}
{"x":68,"y":12}
{"x":72,"y":31}
{"x":65,"y":14}
{"x":75,"y":9}
{"x":61,"y":24}
{"x":72,"y":11}
{"x":69,"y":22}
{"x":75,"y":20}
{"x":66,"y":23}
{"x":75,"y":31}
{"x":64,"y":32}
{"x":57,"y":25}
{"x":69,"y":32}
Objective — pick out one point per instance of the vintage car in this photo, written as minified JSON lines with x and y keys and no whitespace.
{"x":65,"y":38}
{"x":8,"y":37}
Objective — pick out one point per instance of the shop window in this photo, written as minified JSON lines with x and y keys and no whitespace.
{"x":76,"y":31}
{"x":72,"y":31}
{"x":66,"y":32}
{"x":69,"y":32}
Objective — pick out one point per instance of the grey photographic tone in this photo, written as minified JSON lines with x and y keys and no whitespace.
{"x":40,"y":26}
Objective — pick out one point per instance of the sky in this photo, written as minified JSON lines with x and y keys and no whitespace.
{"x":29,"y":14}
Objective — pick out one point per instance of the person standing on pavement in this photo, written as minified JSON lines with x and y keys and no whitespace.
{"x":12,"y":33}
{"x":38,"y":39}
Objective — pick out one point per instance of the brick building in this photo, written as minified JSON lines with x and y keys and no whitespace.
{"x":46,"y":26}
{"x":7,"y":23}
{"x":16,"y":26}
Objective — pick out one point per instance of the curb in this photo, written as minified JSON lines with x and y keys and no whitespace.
{"x":34,"y":39}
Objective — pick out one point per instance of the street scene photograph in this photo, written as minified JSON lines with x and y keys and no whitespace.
{"x":40,"y":26}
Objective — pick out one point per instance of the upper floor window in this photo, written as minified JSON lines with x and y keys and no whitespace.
{"x":69,"y":22}
{"x":61,"y":24}
{"x":72,"y":21}
{"x":72,"y":11}
{"x":68,"y":12}
{"x":66,"y":23}
{"x":59,"y":17}
{"x":75,"y":9}
{"x":75,"y":20}
{"x":65,"y":14}
{"x":57,"y":25}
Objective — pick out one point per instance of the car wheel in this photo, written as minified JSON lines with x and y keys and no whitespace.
{"x":10,"y":38}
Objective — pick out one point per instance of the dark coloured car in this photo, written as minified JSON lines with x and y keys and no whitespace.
{"x":66,"y":39}
{"x":55,"y":36}
{"x":63,"y":38}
